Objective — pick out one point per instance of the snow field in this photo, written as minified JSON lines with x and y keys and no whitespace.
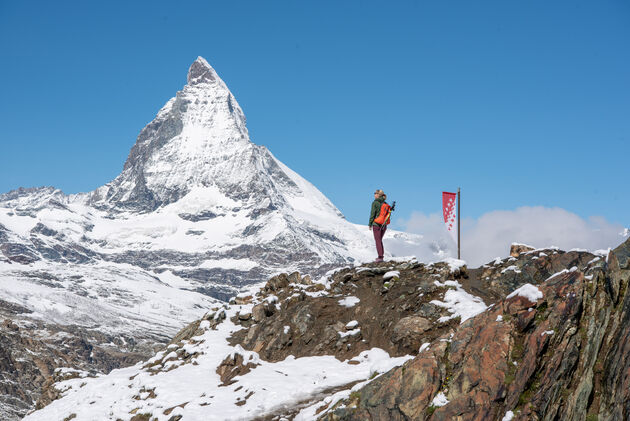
{"x":266,"y":388}
{"x":116,"y":298}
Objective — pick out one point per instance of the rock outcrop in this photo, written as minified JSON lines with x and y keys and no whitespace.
{"x":395,"y":314}
{"x":516,"y":249}
{"x":563,"y":354}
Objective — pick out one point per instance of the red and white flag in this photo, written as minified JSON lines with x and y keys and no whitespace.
{"x":449,"y":208}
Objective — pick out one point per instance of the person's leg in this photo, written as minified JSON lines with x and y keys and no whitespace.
{"x":378,"y":237}
{"x":376,"y":232}
{"x":383,"y":229}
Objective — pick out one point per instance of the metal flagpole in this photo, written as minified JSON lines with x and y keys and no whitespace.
{"x":459,"y":255}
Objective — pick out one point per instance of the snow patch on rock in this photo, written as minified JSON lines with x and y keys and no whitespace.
{"x":529,"y":291}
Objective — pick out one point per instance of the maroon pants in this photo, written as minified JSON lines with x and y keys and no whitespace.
{"x":379,"y":232}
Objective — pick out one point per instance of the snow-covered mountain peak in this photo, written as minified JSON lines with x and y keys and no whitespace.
{"x":198,"y":138}
{"x":201,"y":72}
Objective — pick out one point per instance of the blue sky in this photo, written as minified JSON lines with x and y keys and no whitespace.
{"x":519,"y":103}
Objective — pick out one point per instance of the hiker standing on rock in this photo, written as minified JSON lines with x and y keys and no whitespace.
{"x":379,"y":218}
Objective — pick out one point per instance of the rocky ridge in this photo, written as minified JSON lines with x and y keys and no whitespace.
{"x":548,"y":341}
{"x":562,"y":354}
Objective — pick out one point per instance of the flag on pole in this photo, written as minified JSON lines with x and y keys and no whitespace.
{"x":449,"y":208}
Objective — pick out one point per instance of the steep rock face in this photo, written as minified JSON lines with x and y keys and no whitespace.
{"x":561,"y":356}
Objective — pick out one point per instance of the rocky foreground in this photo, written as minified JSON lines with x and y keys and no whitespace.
{"x":541,"y":335}
{"x":562,"y":356}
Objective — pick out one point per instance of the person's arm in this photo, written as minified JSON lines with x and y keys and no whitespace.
{"x":373,"y":213}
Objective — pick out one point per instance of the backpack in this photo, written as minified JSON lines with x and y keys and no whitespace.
{"x":383,"y":217}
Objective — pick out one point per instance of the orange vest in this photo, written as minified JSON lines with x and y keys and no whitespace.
{"x":383,"y":217}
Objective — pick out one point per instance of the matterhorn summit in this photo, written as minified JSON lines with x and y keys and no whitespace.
{"x":198,"y":139}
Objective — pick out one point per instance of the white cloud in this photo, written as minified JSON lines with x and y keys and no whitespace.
{"x":491,"y":235}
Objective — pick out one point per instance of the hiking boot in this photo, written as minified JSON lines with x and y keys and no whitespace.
{"x":378,"y":260}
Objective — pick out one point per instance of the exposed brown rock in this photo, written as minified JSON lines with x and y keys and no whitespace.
{"x":258,"y":312}
{"x":232,"y":366}
{"x":568,"y":358}
{"x":244,"y":316}
{"x":311,"y":319}
{"x":277,"y":282}
{"x":517,"y":249}
{"x":514,"y":305}
{"x":243,"y":300}
{"x":409,"y":332}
